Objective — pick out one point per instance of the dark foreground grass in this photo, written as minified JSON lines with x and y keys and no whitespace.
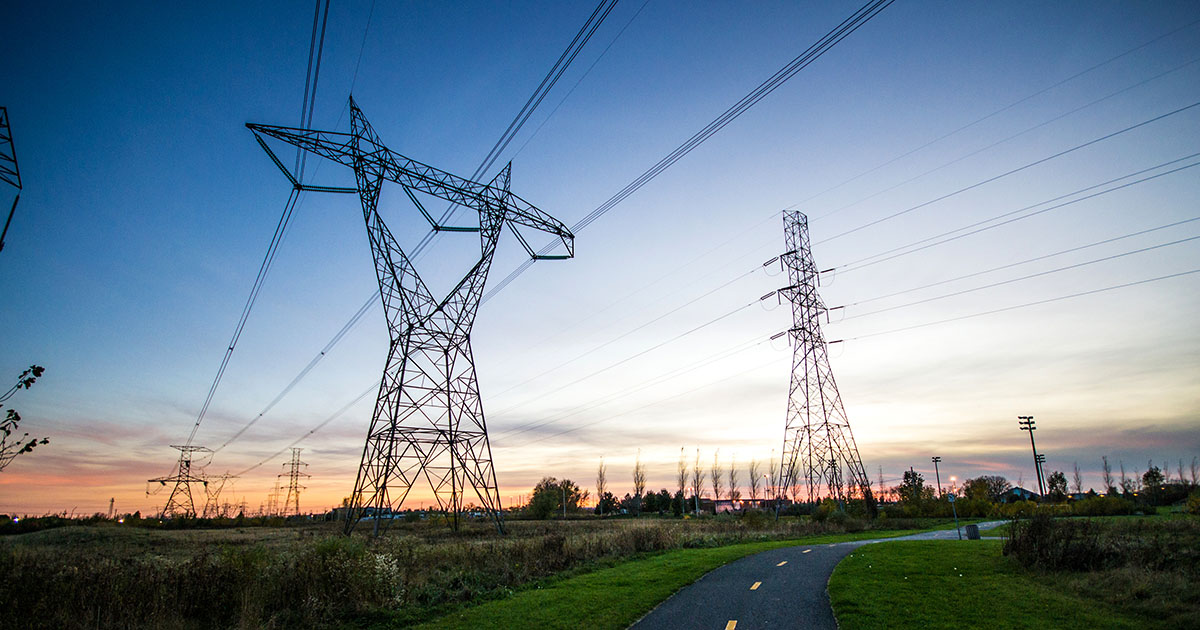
{"x":616,"y":596}
{"x":928,"y":585}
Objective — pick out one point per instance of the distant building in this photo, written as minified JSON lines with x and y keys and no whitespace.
{"x":1018,"y":494}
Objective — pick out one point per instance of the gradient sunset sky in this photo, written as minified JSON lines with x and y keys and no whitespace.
{"x":147,"y":207}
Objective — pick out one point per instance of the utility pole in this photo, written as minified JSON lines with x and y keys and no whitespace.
{"x":1027,"y":424}
{"x":428,"y":425}
{"x":936,"y":461}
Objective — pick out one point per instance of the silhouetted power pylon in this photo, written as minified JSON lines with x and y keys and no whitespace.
{"x":181,"y":502}
{"x":428,"y":425}
{"x":291,"y":502}
{"x":818,"y":443}
{"x":212,"y":506}
{"x":10,"y":173}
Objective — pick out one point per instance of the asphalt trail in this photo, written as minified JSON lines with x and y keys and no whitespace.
{"x":777,"y":589}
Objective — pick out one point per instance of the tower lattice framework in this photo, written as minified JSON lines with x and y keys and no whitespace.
{"x":428,"y":425}
{"x":181,"y":500}
{"x":818,"y":445}
{"x":291,"y":501}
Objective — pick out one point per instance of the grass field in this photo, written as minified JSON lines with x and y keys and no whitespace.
{"x":615,"y":597}
{"x":1142,"y":574}
{"x":311,"y":577}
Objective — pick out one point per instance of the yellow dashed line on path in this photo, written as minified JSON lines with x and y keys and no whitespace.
{"x":781,"y":563}
{"x":754,"y":587}
{"x":731,"y":624}
{"x":806,"y":551}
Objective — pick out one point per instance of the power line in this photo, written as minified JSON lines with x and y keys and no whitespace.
{"x":1011,"y":137}
{"x":738,"y":348}
{"x":958,"y":233}
{"x":629,"y":332}
{"x":1026,"y":277}
{"x":1023,"y":262}
{"x":638,"y":354}
{"x":994,"y":113}
{"x":831,"y":39}
{"x":1013,"y":171}
{"x":568,"y":55}
{"x":315,"y":49}
{"x":1020,"y":306}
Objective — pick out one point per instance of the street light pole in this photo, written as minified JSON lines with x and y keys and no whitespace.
{"x":1027,"y":424}
{"x":938,"y":474}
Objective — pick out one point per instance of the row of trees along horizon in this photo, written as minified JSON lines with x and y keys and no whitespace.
{"x":914,"y":496}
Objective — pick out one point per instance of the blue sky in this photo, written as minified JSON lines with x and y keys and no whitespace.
{"x":147,"y":207}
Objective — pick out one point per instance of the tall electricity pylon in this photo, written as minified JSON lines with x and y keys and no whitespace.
{"x":10,"y":173}
{"x":428,"y":426}
{"x":817,"y":440}
{"x":181,"y":501}
{"x":292,"y":499}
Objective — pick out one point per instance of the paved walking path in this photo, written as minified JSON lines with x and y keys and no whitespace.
{"x":781,"y":588}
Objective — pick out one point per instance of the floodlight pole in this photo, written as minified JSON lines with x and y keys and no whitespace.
{"x":937,"y":474}
{"x":1027,"y":424}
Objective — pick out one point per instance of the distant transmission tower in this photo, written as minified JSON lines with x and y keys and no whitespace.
{"x":817,"y":441}
{"x":212,"y":491}
{"x":428,"y":425}
{"x":181,"y":502}
{"x":293,"y":474}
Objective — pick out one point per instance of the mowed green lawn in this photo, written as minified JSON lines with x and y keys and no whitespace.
{"x":617,"y":596}
{"x":928,"y":585}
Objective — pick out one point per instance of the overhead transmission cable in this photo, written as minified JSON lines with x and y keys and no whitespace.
{"x":640,"y":354}
{"x":601,"y":11}
{"x":995,"y":113}
{"x":1020,"y":279}
{"x":556,"y":71}
{"x":1021,"y":262}
{"x":828,"y":41}
{"x":1020,"y":306}
{"x":1013,"y":171}
{"x":310,"y":91}
{"x":997,"y":143}
{"x":724,"y":353}
{"x":965,"y":231}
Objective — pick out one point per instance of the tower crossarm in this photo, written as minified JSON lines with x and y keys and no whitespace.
{"x":374,"y":157}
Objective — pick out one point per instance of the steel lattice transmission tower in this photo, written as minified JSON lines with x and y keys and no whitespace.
{"x":818,"y":444}
{"x":181,"y":500}
{"x":428,"y":425}
{"x":10,"y":173}
{"x":293,"y":474}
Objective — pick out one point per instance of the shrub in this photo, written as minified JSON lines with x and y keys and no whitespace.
{"x":1193,"y":503}
{"x":1103,"y":506}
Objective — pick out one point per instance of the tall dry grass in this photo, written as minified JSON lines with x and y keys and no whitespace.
{"x":316,"y":579}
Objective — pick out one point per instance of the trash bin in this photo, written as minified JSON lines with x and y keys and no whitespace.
{"x":972,"y":532}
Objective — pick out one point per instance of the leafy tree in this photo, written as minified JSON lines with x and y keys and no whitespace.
{"x":607,"y":504}
{"x":1057,"y":487}
{"x":1152,"y":483}
{"x":986,"y":488}
{"x":548,"y":495}
{"x":912,"y":489}
{"x":8,"y":426}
